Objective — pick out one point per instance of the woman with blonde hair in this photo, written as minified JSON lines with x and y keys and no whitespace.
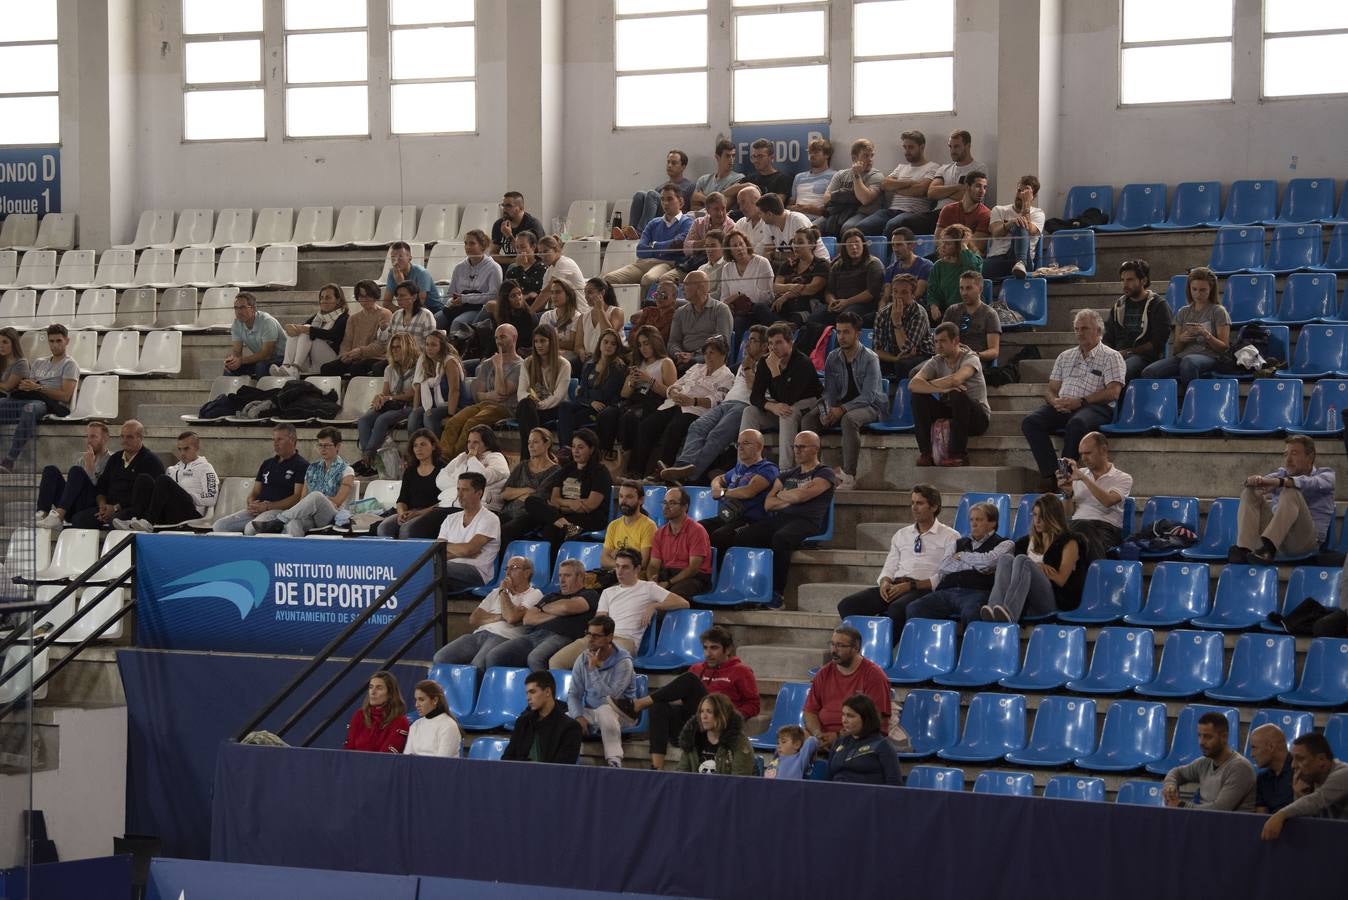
{"x":436,"y":732}
{"x":545,"y":379}
{"x":438,"y":377}
{"x":1046,"y":571}
{"x":560,"y":268}
{"x":391,"y":406}
{"x":566,"y":316}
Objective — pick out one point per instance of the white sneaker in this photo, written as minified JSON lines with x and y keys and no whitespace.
{"x":50,"y":520}
{"x":1018,"y":270}
{"x":121,"y":524}
{"x":139,"y":525}
{"x":279,"y":371}
{"x":845,"y":482}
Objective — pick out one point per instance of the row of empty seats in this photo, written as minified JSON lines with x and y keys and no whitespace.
{"x":22,"y":231}
{"x":1306,"y":297}
{"x":1198,"y":204}
{"x":1293,"y":248}
{"x":1272,"y":407}
{"x":155,"y":267}
{"x":119,"y":352}
{"x":99,"y":309}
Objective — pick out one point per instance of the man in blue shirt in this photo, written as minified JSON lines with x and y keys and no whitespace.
{"x":1287,"y":511}
{"x":401,"y":268}
{"x":258,"y":340}
{"x":660,"y":249}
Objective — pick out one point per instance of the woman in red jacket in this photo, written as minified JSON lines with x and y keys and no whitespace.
{"x":380,"y":725}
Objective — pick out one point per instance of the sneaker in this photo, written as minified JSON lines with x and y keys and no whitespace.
{"x":624,"y":706}
{"x":7,"y":467}
{"x":951,"y":462}
{"x":271,"y":526}
{"x":845,"y":482}
{"x":50,"y":520}
{"x":142,"y":525}
{"x":278,"y":371}
{"x":675,"y":473}
{"x":1001,"y":614}
{"x":1018,"y":270}
{"x":985,"y":613}
{"x":615,"y":763}
{"x":924,"y":459}
{"x":776,"y":601}
{"x":364,"y":469}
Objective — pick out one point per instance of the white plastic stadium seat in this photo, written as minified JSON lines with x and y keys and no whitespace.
{"x":9,"y":266}
{"x":18,"y":231}
{"x":444,"y":257}
{"x":238,"y":265}
{"x":194,"y":227}
{"x":154,"y":268}
{"x":385,"y":490}
{"x":83,"y":348}
{"x":312,"y":226}
{"x":76,"y":270}
{"x":222,"y":385}
{"x":161,"y":355}
{"x":233,"y":497}
{"x":35,"y":267}
{"x":396,"y":223}
{"x":275,"y":225}
{"x":155,"y":227}
{"x":57,"y":232}
{"x":17,"y":686}
{"x":418,"y":251}
{"x":629,"y":298}
{"x":585,"y":254}
{"x":119,"y":352}
{"x":585,"y":218}
{"x":354,"y":225}
{"x":478,"y":215}
{"x":619,"y":254}
{"x":217,"y":310}
{"x":196,"y":267}
{"x":116,"y":269}
{"x":439,"y":222}
{"x":56,"y":305}
{"x":17,"y":308}
{"x":95,"y":398}
{"x":97,"y":309}
{"x":76,"y":550}
{"x":34,"y":344}
{"x":278,"y":267}
{"x":177,"y":309}
{"x":232,"y":226}
{"x":359,"y":392}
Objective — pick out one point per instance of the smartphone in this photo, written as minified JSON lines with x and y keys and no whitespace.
{"x":1064,"y":468}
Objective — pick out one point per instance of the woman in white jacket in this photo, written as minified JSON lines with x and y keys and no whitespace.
{"x":545,"y":379}
{"x":186,"y":491}
{"x":436,"y":733}
{"x":483,"y":456}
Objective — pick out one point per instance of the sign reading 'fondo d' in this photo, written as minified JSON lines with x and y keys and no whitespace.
{"x":30,"y":180}
{"x":273,"y":595}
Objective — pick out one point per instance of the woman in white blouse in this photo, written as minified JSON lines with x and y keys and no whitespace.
{"x":565,"y":318}
{"x":438,"y":377}
{"x":661,"y":433}
{"x":560,"y":268}
{"x":483,"y":456}
{"x":544,"y":380}
{"x":603,"y":314}
{"x":436,"y":733}
{"x":745,"y":280}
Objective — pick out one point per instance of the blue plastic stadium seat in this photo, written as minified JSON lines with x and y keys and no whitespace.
{"x":643,"y":723}
{"x":1129,"y":514}
{"x":588,"y":552}
{"x":679,"y":643}
{"x":1307,"y":200}
{"x":499,"y":701}
{"x":1087,"y":196}
{"x":1071,"y":246}
{"x":562,"y":678}
{"x":1133,"y":735}
{"x":788,"y":710}
{"x":1197,"y":204}
{"x":1308,"y":297}
{"x":1184,"y":747}
{"x":1336,"y":256}
{"x":1121,"y":660}
{"x":1075,"y":787}
{"x":1338,"y":536}
{"x":868,"y":338}
{"x":926,"y":649}
{"x":936,"y":778}
{"x":1113,"y":589}
{"x":1324,"y":409}
{"x":487,"y":748}
{"x":1148,"y":405}
{"x":1219,"y":534}
{"x":653,"y":501}
{"x":831,"y":245}
{"x":460,"y":686}
{"x":1055,"y":655}
{"x":1178,"y":590}
{"x":1237,"y":248}
{"x":1293,"y":724}
{"x":612,"y":514}
{"x":932,"y":720}
{"x":900,"y":417}
{"x":1024,"y":515}
{"x":993,"y":726}
{"x":1321,"y":351}
{"x":1180,"y":510}
{"x":1209,"y":405}
{"x":1029,"y":297}
{"x":1245,"y":596}
{"x":1008,"y":784}
{"x":1140,"y":206}
{"x":745,"y":577}
{"x":1319,"y":583}
{"x":970,"y":498}
{"x":1273,"y":405}
{"x":1140,"y":793}
{"x":1324,"y":680}
{"x":1190,"y":664}
{"x":1262,"y":666}
{"x":1176,"y":293}
{"x":989,"y":651}
{"x":826,"y":535}
{"x":879,"y":245}
{"x":701,"y":504}
{"x":1249,"y":202}
{"x":1336,"y":732}
{"x":1064,"y":729}
{"x":537,"y":552}
{"x":877,"y":637}
{"x":1294,"y":247}
{"x":1251,"y":298}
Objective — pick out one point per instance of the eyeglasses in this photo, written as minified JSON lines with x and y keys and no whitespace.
{"x":325,"y":446}
{"x":839,"y":645}
{"x":515,"y":567}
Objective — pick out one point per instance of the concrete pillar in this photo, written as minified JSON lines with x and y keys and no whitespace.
{"x":1028,"y":74}
{"x":533,"y":107}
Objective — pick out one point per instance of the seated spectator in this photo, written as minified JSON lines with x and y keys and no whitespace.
{"x":60,"y":495}
{"x":514,"y":221}
{"x":969,"y":210}
{"x":906,"y":187}
{"x":765,"y":175}
{"x":660,"y":249}
{"x":660,"y":315}
{"x":915,"y":555}
{"x":328,"y":484}
{"x":710,"y":433}
{"x":1094,"y":490}
{"x":555,"y":622}
{"x":680,"y":551}
{"x":436,"y":382}
{"x":579,"y":497}
{"x":853,"y":395}
{"x":494,"y":390}
{"x":13,"y":367}
{"x":697,"y":322}
{"x":700,"y":389}
{"x":1273,"y":780}
{"x":631,"y":530}
{"x":746,"y":280}
{"x":1327,"y":778}
{"x":497,"y":619}
{"x":798,"y":506}
{"x":802,"y":278}
{"x":1082,"y":388}
{"x":1201,"y":333}
{"x":278,"y":486}
{"x":601,"y":384}
{"x":713,"y":741}
{"x":955,"y":255}
{"x":1046,"y":573}
{"x":317,"y":342}
{"x":951,"y":183}
{"x":472,"y":538}
{"x":716,"y":220}
{"x":979,"y":325}
{"x":1139,"y":323}
{"x":1289,"y":510}
{"x":482,"y":455}
{"x":509,"y":308}
{"x":795,"y":753}
{"x":603,"y":315}
{"x":631,"y":602}
{"x":560,"y":268}
{"x":531,"y":477}
{"x":741,"y":489}
{"x":749,"y":221}
{"x":949,"y":386}
{"x":258,"y":341}
{"x":725,"y":180}
{"x":545,"y":379}
{"x":780,"y":227}
{"x":846,"y":674}
{"x":785,"y":387}
{"x":963,"y":580}
{"x":417,"y":494}
{"x":810,"y":185}
{"x":1225,"y":779}
{"x":48,"y":388}
{"x":115,"y":488}
{"x":365,"y":341}
{"x":527,"y":271}
{"x":1015,"y":229}
{"x":602,"y":671}
{"x":402,"y":269}
{"x":435,"y":732}
{"x":391,"y":406}
{"x":853,"y":193}
{"x":543,"y":732}
{"x":380,"y":725}
{"x":903,"y":339}
{"x":646,"y":204}
{"x":863,"y":754}
{"x":411,"y":317}
{"x":473,"y":282}
{"x":906,"y":262}
{"x":186,"y":491}
{"x":649,"y":377}
{"x":565,"y":316}
{"x":855,"y":282}
{"x":720,"y":672}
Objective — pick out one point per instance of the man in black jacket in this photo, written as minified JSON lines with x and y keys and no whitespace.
{"x":964,"y":579}
{"x":115,"y":486}
{"x":544,"y":733}
{"x":786,"y":387}
{"x":1139,"y":324}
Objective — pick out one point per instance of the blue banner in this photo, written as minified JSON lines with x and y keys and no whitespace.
{"x":30,"y":180}
{"x":273,"y":595}
{"x":790,"y":144}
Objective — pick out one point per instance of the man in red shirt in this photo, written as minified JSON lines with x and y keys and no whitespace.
{"x":970,"y":211}
{"x":681,"y":550}
{"x":847,"y":673}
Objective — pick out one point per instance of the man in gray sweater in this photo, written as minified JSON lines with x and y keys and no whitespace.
{"x":1225,"y":779}
{"x":1327,"y":779}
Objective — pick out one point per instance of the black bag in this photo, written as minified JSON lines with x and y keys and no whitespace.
{"x":731,"y":511}
{"x":1089,"y":217}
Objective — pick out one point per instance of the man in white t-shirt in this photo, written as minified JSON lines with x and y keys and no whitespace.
{"x":1015,"y":229}
{"x":497,"y":619}
{"x":906,"y":188}
{"x":1098,"y":490}
{"x":780,"y":226}
{"x":950,"y":183}
{"x":751,"y":224}
{"x":808,"y":188}
{"x":472,"y":536}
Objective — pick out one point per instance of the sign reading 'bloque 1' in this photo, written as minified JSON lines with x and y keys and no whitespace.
{"x":30,"y":180}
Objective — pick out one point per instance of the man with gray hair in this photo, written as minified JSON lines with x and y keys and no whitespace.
{"x":279,"y":483}
{"x":697,"y":322}
{"x":553,"y":623}
{"x":1082,"y":389}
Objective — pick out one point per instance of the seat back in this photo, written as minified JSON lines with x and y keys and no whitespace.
{"x":1318,"y":583}
{"x":1324,"y":680}
{"x":586,"y":254}
{"x":1196,"y":203}
{"x":232,"y":226}
{"x":1321,"y":350}
{"x":56,"y":305}
{"x":279,"y":265}
{"x":1140,"y":793}
{"x":439,"y":222}
{"x":1275,"y":403}
{"x":1029,"y":297}
{"x":1085,"y":196}
{"x":194,"y":227}
{"x":1176,"y":293}
{"x":926,"y":648}
{"x":354,"y":223}
{"x":162,"y":353}
{"x":585,"y":218}
{"x":989,"y":650}
{"x":395,"y":223}
{"x":932,"y":721}
{"x":588,"y":552}
{"x":1250,"y":297}
{"x":1245,"y":596}
{"x":1113,"y":589}
{"x":196,"y":265}
{"x":1262,"y":665}
{"x":1134,"y":730}
{"x":1308,"y":297}
{"x":537,"y":552}
{"x":9,"y":266}
{"x":154,"y":227}
{"x":1336,"y":255}
{"x":1209,"y":404}
{"x":1249,"y":201}
{"x":1122,"y":657}
{"x":1024,"y":514}
{"x":936,"y":778}
{"x":652,"y":502}
{"x":619,"y":254}
{"x":217,"y":309}
{"x":1054,"y":655}
{"x":1180,"y":589}
{"x":96,"y":397}
{"x":994,"y":723}
{"x":1141,"y":205}
{"x":17,"y":657}
{"x":972,"y":498}
{"x":312,"y":225}
{"x":1292,"y":724}
{"x":83,"y":348}
{"x":359,"y":392}
{"x":1294,"y":247}
{"x":1075,"y":787}
{"x":901,"y":410}
{"x":238,"y":265}
{"x":57,"y":232}
{"x":75,"y":550}
{"x":789,"y":709}
{"x":748,"y":570}
{"x":116,"y":267}
{"x":877,"y":636}
{"x":178,"y":306}
{"x":701,"y":504}
{"x":1336,"y":732}
{"x":1180,"y":510}
{"x":491,"y":748}
{"x":275,"y":224}
{"x":460,"y":686}
{"x":1307,"y":199}
{"x":76,"y":268}
{"x":681,"y":634}
{"x":18,"y":230}
{"x":120,"y":350}
{"x":18,"y":308}
{"x":477,"y":216}
{"x":501,"y":697}
{"x":1237,"y":248}
{"x":155,"y":266}
{"x":444,"y":257}
{"x":97,"y":308}
{"x":1063,"y":726}
{"x":1072,"y":247}
{"x":36,"y":267}
{"x":1191,"y":661}
{"x":1148,"y":403}
{"x":1008,"y":784}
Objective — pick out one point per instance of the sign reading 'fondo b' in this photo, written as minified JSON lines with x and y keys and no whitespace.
{"x":273,"y":595}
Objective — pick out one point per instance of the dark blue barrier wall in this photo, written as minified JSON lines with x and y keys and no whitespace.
{"x":600,"y":829}
{"x":101,"y":878}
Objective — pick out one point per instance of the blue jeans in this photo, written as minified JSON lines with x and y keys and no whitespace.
{"x":373,"y":427}
{"x":1022,"y":587}
{"x":948,"y":603}
{"x":1000,"y":266}
{"x":533,"y":650}
{"x":469,"y":648}
{"x":453,"y":315}
{"x":645,"y":206}
{"x":1185,"y":368}
{"x":258,"y":369}
{"x":1039,"y":426}
{"x":24,"y":414}
{"x":433,"y":418}
{"x":709,"y":435}
{"x":884,"y":221}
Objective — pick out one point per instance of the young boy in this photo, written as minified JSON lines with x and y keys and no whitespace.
{"x":795,"y":752}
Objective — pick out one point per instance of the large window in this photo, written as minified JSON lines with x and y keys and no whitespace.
{"x":30,"y":105}
{"x":222,"y":70}
{"x":432,"y":66}
{"x":780,"y":61}
{"x":660,"y":62}
{"x":1175,"y":52}
{"x":903,"y":57}
{"x":327,"y":68}
{"x":1305,"y":44}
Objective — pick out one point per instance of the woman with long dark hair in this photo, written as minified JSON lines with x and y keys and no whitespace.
{"x":417,"y":495}
{"x":436,"y":732}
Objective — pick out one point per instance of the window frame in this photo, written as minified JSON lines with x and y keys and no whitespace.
{"x":705,"y":70}
{"x":217,"y":86}
{"x":1176,"y":42}
{"x":737,"y":13}
{"x":1265,"y":36}
{"x":454,"y":79}
{"x":54,"y":41}
{"x":286,"y":85}
{"x":898,"y":57}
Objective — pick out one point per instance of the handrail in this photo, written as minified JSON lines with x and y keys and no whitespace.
{"x":52,"y":636}
{"x":80,"y":581}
